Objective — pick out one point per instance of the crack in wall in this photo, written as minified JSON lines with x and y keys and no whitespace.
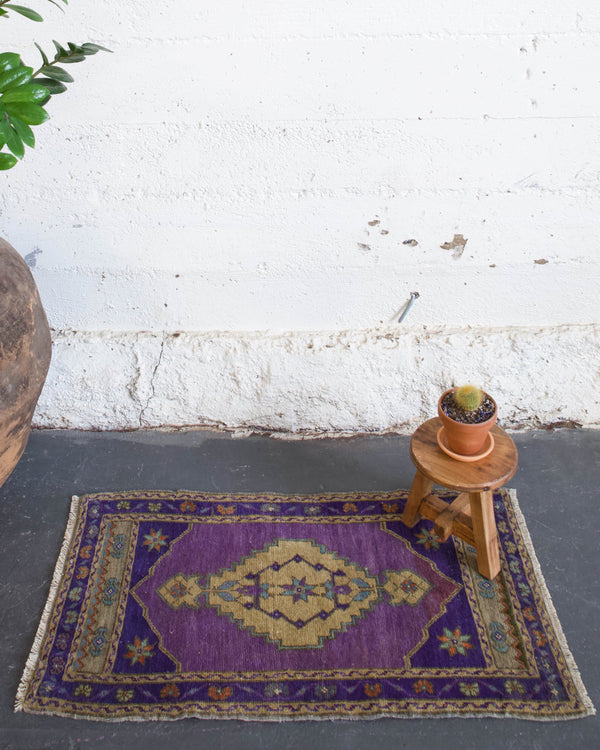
{"x":152,"y":379}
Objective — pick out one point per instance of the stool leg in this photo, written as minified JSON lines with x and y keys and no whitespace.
{"x":485,"y":533}
{"x":421,"y":487}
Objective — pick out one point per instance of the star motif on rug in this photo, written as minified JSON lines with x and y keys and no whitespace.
{"x":139,"y":651}
{"x":155,"y":540}
{"x":455,"y":642}
{"x":299,"y":589}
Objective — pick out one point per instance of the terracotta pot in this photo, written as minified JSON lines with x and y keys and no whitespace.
{"x":25,"y":349}
{"x":466,"y":439}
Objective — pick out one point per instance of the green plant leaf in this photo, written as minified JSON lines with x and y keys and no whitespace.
{"x":73,"y":58}
{"x":7,"y":161}
{"x":60,"y":50}
{"x":43,"y":54}
{"x":24,"y":131}
{"x":90,"y":49}
{"x":15,"y":77}
{"x":58,"y":74}
{"x":27,"y":12}
{"x":32,"y":114}
{"x":8,"y":61}
{"x":53,"y":87}
{"x":28,"y":92}
{"x":12,"y":138}
{"x":15,"y":144}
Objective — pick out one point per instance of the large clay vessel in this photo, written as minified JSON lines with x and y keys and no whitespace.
{"x":25,"y":350}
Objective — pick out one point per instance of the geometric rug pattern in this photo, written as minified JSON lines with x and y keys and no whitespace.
{"x":184,"y":604}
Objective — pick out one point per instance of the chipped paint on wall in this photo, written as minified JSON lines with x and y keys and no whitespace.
{"x":31,"y":258}
{"x":457,"y":246}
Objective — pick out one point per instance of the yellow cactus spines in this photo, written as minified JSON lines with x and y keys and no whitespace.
{"x":468,"y":397}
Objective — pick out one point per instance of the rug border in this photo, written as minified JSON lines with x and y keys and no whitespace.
{"x":552,"y":614}
{"x":59,"y":569}
{"x":72,"y":523}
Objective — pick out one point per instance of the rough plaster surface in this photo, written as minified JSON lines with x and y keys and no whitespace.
{"x":299,"y":167}
{"x":362,"y":380}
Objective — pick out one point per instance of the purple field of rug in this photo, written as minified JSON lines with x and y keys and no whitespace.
{"x":176,"y":604}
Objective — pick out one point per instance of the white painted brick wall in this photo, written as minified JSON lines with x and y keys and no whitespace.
{"x":220,"y":175}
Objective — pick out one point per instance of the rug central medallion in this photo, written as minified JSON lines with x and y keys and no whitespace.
{"x":294,"y":593}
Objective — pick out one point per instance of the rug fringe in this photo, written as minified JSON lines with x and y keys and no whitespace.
{"x":63,"y":557}
{"x":552,"y":614}
{"x":339,"y":719}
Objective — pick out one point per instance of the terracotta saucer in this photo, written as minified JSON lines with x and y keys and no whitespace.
{"x":488,"y":447}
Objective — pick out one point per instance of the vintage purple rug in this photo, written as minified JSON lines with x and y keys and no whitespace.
{"x":175,"y":604}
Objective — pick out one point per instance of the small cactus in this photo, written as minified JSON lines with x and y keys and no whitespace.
{"x":468,"y":397}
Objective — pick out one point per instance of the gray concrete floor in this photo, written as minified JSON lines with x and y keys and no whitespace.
{"x":557,"y":484}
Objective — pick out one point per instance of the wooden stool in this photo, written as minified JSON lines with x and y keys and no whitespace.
{"x":471,"y":515}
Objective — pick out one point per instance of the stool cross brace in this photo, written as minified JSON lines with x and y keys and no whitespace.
{"x":469,"y":516}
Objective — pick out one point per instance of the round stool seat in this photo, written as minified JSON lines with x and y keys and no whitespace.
{"x":488,"y":473}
